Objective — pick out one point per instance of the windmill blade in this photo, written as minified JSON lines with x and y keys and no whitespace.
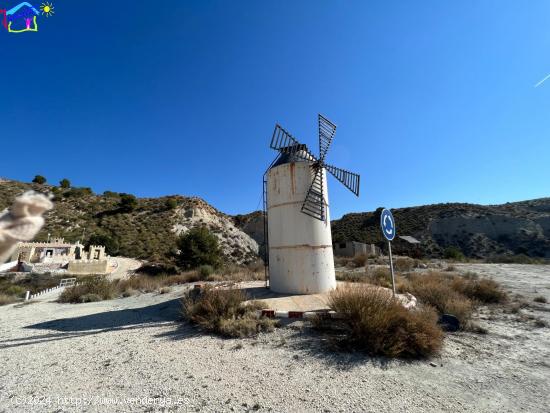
{"x":327,"y":129}
{"x":284,"y":142}
{"x":349,"y":179}
{"x":314,"y":204}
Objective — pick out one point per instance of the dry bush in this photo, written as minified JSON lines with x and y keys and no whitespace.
{"x":7,"y":299}
{"x":377,"y":323}
{"x":483,"y":290}
{"x":360,"y":260}
{"x":350,"y":276}
{"x":404,"y":264}
{"x":436,"y":289}
{"x":224,"y":312}
{"x":141,"y":283}
{"x":256,"y":266}
{"x":96,"y":290}
{"x":341,"y":261}
{"x":379,"y":276}
{"x":540,"y":299}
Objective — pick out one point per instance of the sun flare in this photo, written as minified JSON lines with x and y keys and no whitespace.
{"x":47,"y":9}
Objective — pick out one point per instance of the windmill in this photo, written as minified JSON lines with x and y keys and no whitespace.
{"x":298,"y":237}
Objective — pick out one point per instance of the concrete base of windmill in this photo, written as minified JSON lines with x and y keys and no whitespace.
{"x":297,"y":305}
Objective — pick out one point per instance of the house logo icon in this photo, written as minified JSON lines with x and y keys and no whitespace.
{"x":23,"y":17}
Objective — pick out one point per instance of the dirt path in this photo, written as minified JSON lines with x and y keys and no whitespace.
{"x":124,"y":267}
{"x":105,"y":355}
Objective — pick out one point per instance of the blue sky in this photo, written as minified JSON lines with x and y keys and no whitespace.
{"x":434,"y":100}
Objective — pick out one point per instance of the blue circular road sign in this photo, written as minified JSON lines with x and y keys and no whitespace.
{"x":388,"y":224}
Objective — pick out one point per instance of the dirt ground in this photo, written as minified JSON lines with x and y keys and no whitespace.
{"x":133,"y":354}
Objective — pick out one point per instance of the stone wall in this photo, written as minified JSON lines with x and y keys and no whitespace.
{"x":87,"y":267}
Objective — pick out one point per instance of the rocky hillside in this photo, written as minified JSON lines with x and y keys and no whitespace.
{"x":478,"y":231}
{"x":145,"y":228}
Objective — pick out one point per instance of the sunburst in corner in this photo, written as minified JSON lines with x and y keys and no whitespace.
{"x":47,"y":9}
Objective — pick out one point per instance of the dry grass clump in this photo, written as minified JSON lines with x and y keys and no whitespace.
{"x":373,"y":321}
{"x":404,"y":264}
{"x":6,"y":299}
{"x":353,"y":277}
{"x":224,"y":312}
{"x":436,"y":289}
{"x":483,"y":290}
{"x":540,"y":299}
{"x":91,"y":290}
{"x":360,"y":260}
{"x":454,"y":294}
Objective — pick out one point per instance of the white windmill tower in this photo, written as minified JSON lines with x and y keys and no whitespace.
{"x":299,"y":241}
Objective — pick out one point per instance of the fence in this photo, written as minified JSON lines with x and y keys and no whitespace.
{"x":66,"y":282}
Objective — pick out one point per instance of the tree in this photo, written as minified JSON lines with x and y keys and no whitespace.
{"x":111,"y":244}
{"x":127,"y":202}
{"x":39,"y":179}
{"x":198,"y":247}
{"x":65,"y":183}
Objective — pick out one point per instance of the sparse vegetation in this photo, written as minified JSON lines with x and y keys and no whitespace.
{"x":223,"y":311}
{"x":65,"y":183}
{"x":540,"y":299}
{"x":91,"y":290}
{"x":16,"y":289}
{"x":374,"y":322}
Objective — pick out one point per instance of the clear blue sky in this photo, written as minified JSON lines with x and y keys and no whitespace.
{"x":434,"y":100}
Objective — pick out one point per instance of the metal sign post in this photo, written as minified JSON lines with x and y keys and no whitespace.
{"x":387,"y":223}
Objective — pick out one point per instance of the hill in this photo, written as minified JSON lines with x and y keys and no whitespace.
{"x":478,"y":231}
{"x":144,"y":228}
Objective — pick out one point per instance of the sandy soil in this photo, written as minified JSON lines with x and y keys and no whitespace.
{"x":112,"y":356}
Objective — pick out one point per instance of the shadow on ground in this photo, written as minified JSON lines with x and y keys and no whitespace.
{"x":106,"y":321}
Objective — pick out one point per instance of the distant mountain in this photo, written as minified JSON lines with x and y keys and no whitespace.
{"x":478,"y":231}
{"x":147,"y":229}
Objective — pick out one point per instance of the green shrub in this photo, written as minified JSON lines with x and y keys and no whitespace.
{"x":127,"y":203}
{"x":39,"y":179}
{"x":15,"y":290}
{"x":374,"y":322}
{"x":171,"y":203}
{"x":78,"y":192}
{"x":65,"y":183}
{"x":453,"y":253}
{"x":110,"y":243}
{"x":205,"y":271}
{"x":198,"y":247}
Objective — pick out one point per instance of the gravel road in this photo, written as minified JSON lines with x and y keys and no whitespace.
{"x":133,"y":354}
